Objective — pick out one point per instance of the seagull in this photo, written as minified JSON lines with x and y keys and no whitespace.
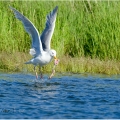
{"x":40,"y":48}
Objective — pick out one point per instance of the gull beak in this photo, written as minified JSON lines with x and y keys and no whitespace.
{"x":55,"y":57}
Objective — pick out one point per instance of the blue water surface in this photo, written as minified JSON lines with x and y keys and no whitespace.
{"x":70,"y":96}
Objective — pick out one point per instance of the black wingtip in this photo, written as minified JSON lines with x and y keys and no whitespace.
{"x":11,"y":7}
{"x":55,"y":9}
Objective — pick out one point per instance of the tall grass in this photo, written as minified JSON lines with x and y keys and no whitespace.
{"x":82,"y":28}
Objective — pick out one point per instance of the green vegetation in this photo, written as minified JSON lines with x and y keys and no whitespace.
{"x":88,"y":33}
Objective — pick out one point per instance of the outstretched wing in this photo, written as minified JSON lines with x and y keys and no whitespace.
{"x":30,"y":28}
{"x":49,"y":29}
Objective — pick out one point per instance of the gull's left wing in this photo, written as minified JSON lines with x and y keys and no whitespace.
{"x":49,"y":29}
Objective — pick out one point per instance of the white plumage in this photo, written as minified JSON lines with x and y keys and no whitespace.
{"x":41,"y":51}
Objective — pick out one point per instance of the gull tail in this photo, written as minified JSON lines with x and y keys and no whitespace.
{"x":29,"y":62}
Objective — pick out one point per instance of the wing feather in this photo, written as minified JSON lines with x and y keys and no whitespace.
{"x":33,"y":32}
{"x":49,"y":29}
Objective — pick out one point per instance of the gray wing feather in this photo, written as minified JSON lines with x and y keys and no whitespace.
{"x":30,"y":28}
{"x":49,"y":29}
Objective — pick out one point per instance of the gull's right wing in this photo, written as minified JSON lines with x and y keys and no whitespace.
{"x":30,"y":28}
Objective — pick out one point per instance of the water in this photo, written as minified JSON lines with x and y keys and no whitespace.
{"x":63,"y":97}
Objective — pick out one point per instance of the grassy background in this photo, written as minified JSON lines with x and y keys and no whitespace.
{"x":89,"y":30}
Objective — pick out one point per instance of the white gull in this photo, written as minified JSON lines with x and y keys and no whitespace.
{"x":40,"y":48}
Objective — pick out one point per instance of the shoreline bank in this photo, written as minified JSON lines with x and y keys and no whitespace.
{"x":15,"y":63}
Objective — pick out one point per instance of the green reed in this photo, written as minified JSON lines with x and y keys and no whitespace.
{"x":82,"y":28}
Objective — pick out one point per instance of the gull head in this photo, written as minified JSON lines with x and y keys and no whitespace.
{"x":53,"y":53}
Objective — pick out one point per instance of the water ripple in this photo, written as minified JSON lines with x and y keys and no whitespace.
{"x":71,"y":97}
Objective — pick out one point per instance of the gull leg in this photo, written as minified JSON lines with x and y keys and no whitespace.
{"x":41,"y":75}
{"x":53,"y":72}
{"x":35,"y":72}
